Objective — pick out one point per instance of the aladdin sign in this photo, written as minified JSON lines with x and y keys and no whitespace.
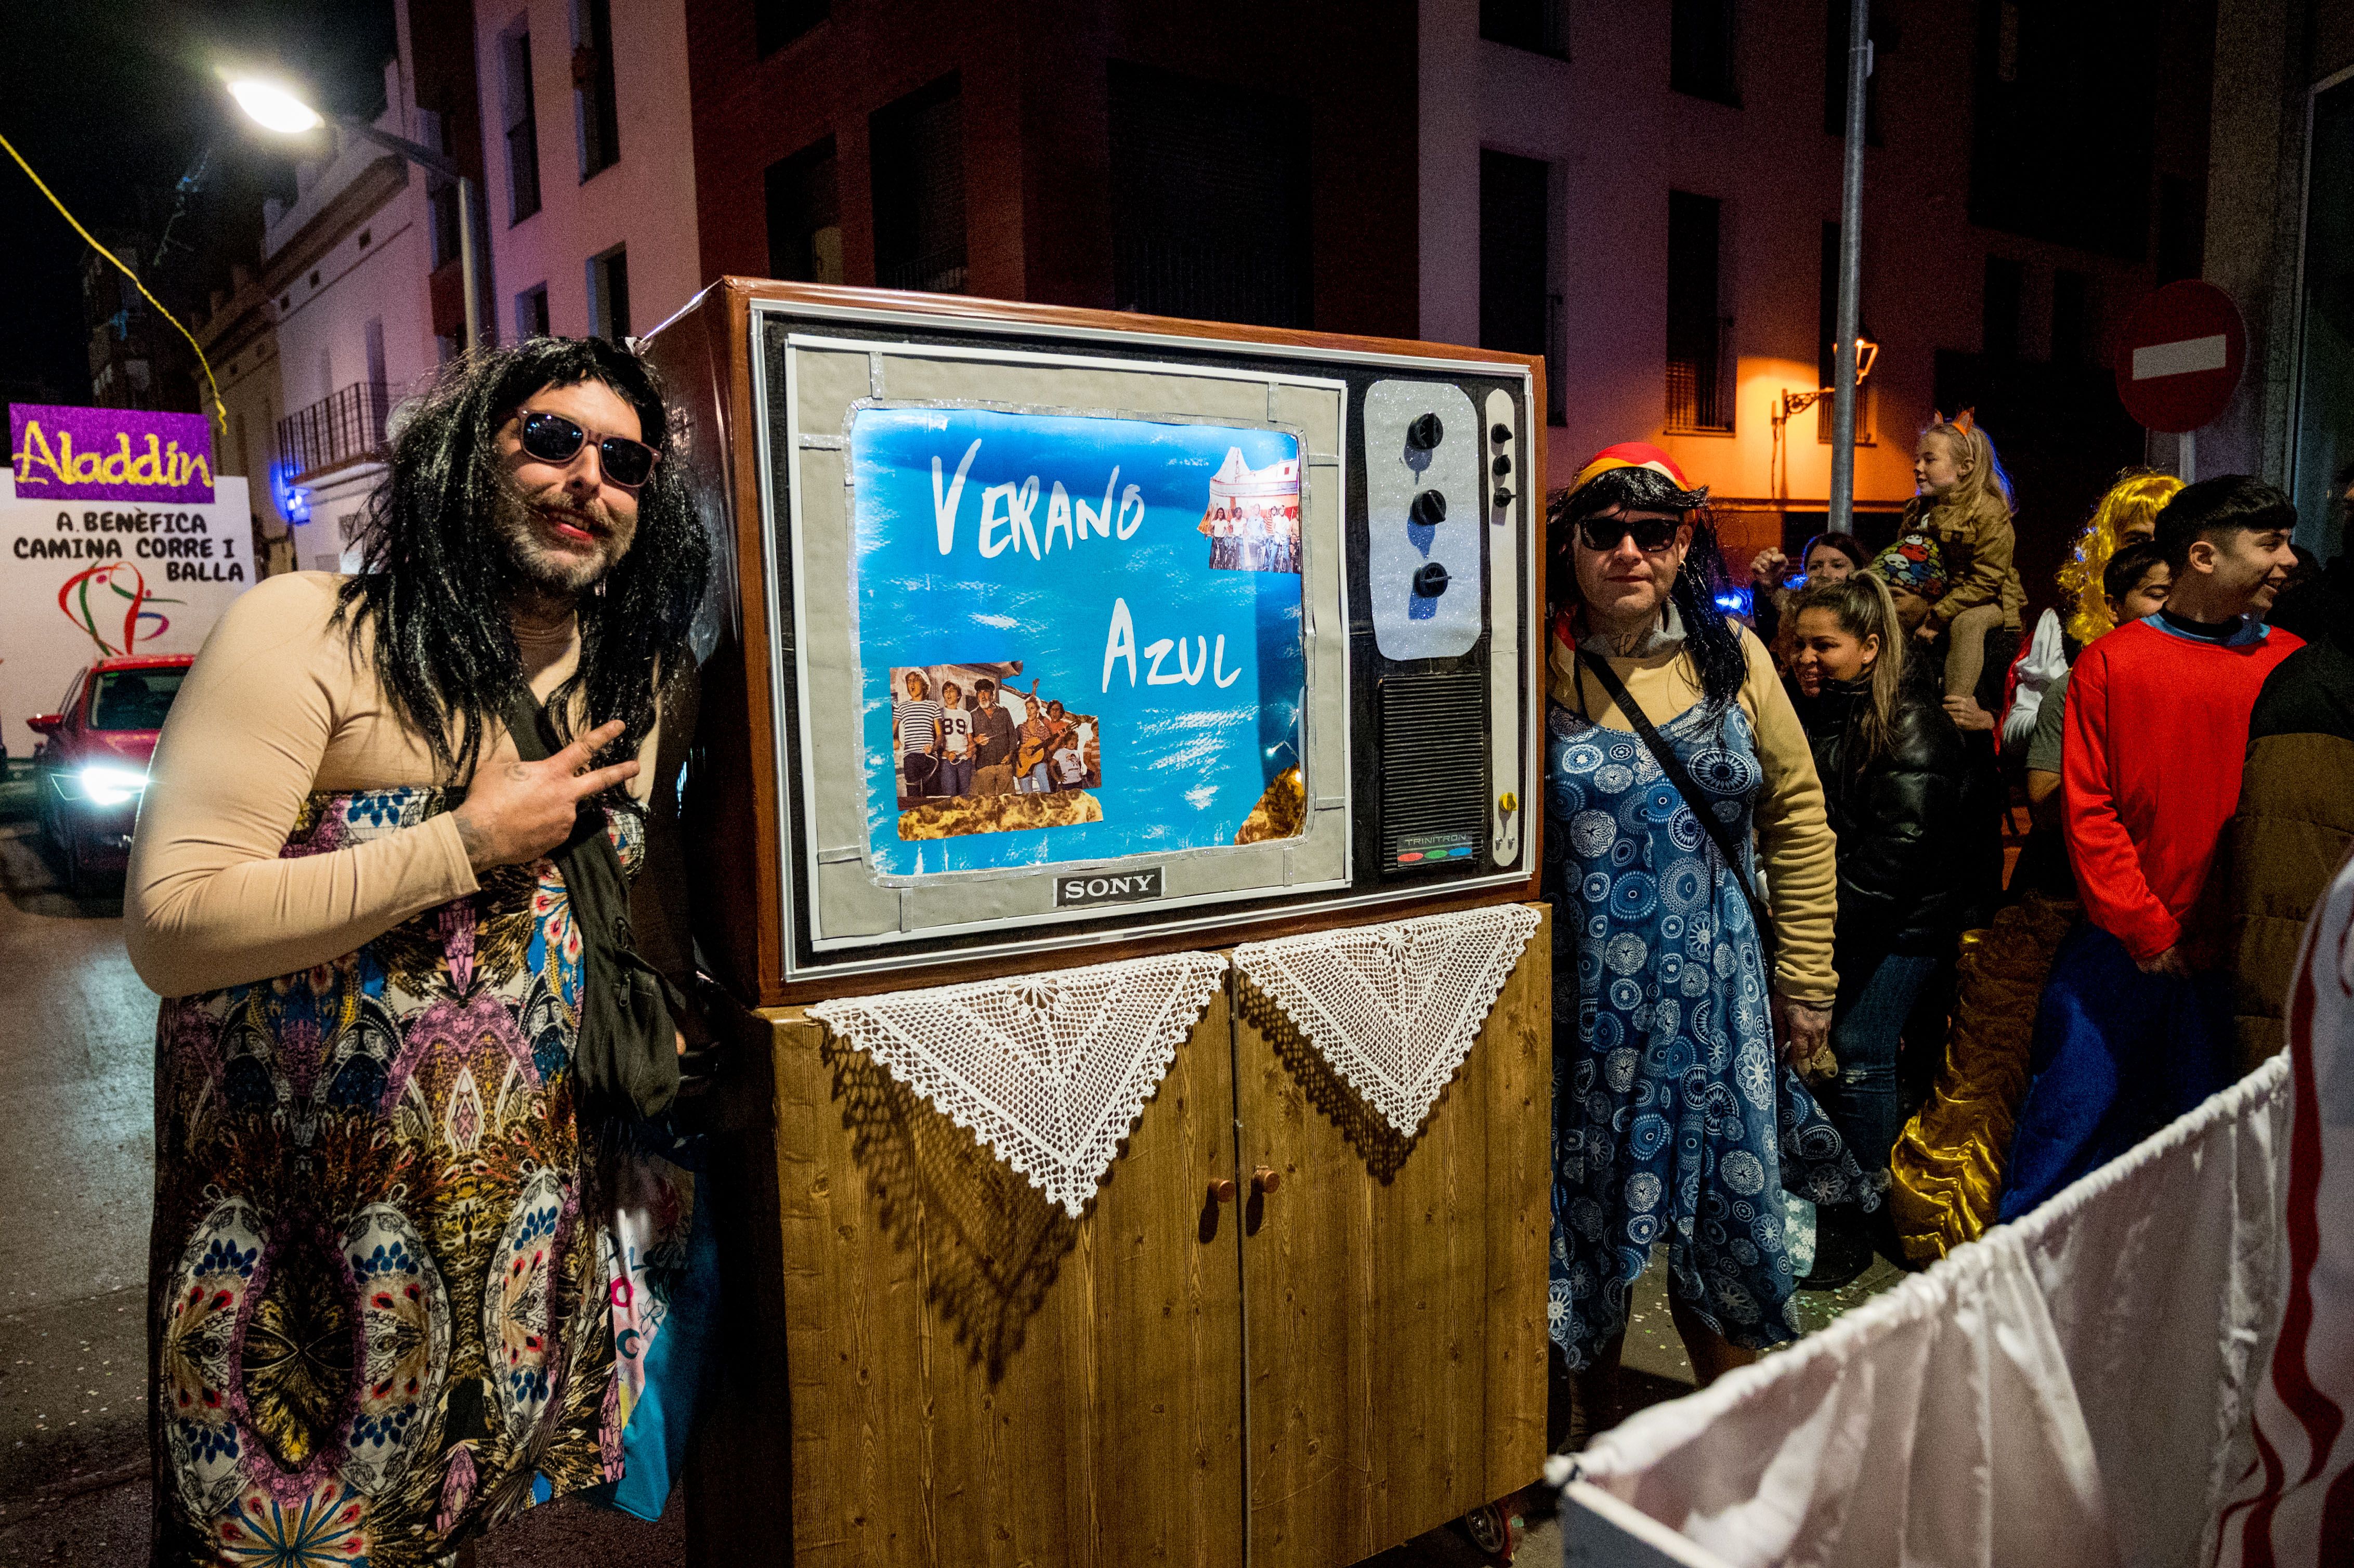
{"x":109,"y":454}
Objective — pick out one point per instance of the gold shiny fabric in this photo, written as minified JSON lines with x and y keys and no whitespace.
{"x":1947,"y":1167}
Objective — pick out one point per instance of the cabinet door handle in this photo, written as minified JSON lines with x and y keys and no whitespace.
{"x":1222,"y":1190}
{"x":1266,"y":1179}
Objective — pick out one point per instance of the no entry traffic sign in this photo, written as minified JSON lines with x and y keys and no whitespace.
{"x":2183,"y":351}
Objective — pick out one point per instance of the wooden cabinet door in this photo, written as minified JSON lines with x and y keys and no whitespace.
{"x":967,"y":1376}
{"x":1394,"y":1289}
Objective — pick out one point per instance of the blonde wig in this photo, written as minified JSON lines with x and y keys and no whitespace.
{"x":2136,"y":498}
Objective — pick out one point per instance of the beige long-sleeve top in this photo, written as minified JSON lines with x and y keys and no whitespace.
{"x":281,"y":705}
{"x":1795,"y":842}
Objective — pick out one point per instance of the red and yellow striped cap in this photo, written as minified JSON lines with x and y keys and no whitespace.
{"x":1630,"y":454}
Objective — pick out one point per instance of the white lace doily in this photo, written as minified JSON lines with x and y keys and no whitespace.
{"x":1050,"y":1071}
{"x":1393,"y":1008}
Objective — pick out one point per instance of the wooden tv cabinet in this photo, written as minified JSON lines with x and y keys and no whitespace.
{"x":925,"y":1363}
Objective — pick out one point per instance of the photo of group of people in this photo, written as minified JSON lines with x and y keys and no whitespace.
{"x":1253,"y":516}
{"x":962,"y":731}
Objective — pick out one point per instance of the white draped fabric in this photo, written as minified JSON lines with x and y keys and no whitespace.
{"x":2069,"y":1391}
{"x":2296,"y":1505}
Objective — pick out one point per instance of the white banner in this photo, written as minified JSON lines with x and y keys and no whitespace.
{"x":81,"y":580}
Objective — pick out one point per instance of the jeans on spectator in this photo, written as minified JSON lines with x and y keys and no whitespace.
{"x":956,"y":774}
{"x":1866,"y":1102}
{"x":1032,"y":782}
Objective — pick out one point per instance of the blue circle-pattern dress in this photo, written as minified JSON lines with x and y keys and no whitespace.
{"x":1673,"y":1119}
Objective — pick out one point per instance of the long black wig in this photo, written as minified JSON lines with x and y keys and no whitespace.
{"x":437,"y":580}
{"x":1709,"y":637}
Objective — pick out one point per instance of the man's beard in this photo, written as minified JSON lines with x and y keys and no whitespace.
{"x":531,"y":562}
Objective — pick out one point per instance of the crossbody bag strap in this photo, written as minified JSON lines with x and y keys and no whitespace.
{"x":1674,"y":766}
{"x":534,"y":740}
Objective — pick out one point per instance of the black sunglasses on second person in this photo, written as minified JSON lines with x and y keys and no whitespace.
{"x":1652,"y":534}
{"x":552,"y":437}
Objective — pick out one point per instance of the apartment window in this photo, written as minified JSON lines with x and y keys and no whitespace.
{"x":608,"y":294}
{"x":2071,"y":318}
{"x":805,"y":216}
{"x":1209,"y":200}
{"x":596,"y":113}
{"x":1836,"y":17}
{"x":918,"y":155}
{"x":1827,"y":335}
{"x":1696,"y":330}
{"x":775,"y":23}
{"x":1699,"y":50}
{"x":1531,"y":25}
{"x":442,"y":221}
{"x":1519,"y":310}
{"x":2063,"y":123}
{"x":522,"y":117}
{"x":2006,"y":286}
{"x":531,"y":313}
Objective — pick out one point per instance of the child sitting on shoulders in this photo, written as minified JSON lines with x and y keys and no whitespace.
{"x":1964,"y":502}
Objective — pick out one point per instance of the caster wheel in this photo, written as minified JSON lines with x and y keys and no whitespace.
{"x":1490,"y":1529}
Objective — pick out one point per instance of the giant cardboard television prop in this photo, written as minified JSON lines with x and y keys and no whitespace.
{"x":1048,"y":635}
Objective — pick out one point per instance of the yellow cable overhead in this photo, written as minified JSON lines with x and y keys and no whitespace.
{"x":219,"y":413}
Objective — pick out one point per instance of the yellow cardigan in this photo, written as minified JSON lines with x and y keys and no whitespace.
{"x":1795,"y":843}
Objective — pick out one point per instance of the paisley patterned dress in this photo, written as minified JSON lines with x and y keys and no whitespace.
{"x":385,"y":1300}
{"x":1673,"y":1119}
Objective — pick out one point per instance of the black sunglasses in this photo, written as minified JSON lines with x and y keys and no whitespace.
{"x":1652,"y":534}
{"x":552,"y":437}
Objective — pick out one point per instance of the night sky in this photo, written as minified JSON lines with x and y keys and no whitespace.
{"x":112,"y":102}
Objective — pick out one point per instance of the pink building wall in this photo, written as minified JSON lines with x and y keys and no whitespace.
{"x":1619,"y":139}
{"x":644,"y":202}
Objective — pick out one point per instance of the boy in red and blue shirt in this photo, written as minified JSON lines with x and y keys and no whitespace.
{"x":2127,"y":1036}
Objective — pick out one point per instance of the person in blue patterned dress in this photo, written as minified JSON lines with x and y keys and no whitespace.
{"x":1678,"y":1115}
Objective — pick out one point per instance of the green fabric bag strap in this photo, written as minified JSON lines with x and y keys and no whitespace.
{"x":625,"y":1056}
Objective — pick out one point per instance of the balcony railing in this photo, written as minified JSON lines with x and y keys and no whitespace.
{"x":339,"y":429}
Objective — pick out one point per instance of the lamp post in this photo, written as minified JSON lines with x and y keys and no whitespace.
{"x":277,"y":108}
{"x":1841,"y":516}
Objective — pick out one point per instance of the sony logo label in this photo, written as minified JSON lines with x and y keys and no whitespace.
{"x":1124,"y":887}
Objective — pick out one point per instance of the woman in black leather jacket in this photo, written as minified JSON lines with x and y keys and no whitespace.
{"x":1894,"y":770}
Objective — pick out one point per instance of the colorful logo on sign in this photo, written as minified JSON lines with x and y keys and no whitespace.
{"x":109,"y":454}
{"x":96,"y":596}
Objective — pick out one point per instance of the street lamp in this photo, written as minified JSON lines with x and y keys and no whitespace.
{"x":275,"y":107}
{"x":1866,"y":354}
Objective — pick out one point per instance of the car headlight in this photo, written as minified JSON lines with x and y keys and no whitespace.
{"x":105,"y":786}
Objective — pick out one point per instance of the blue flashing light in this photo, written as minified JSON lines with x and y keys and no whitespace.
{"x":1733,"y":600}
{"x":294,"y":500}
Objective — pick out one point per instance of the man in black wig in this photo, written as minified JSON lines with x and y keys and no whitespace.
{"x":371,"y":1161}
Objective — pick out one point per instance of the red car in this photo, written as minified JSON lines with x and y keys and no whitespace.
{"x":91,"y":767}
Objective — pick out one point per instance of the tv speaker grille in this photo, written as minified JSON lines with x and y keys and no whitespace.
{"x":1434,"y":771}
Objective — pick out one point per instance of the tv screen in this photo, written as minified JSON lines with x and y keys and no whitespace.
{"x":1079,"y":636}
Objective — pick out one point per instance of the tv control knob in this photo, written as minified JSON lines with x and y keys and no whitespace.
{"x":1501,"y":466}
{"x":1427,"y":510}
{"x":1430,"y":581}
{"x":1504,"y":497}
{"x":1500,"y":433}
{"x":1426,"y":432}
